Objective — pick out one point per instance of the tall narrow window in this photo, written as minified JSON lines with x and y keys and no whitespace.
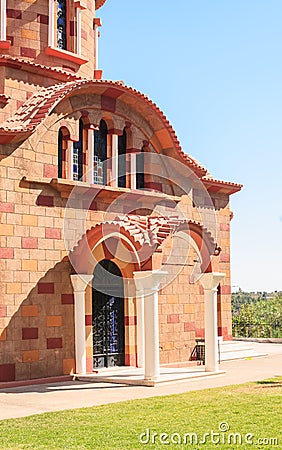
{"x":62,"y":24}
{"x":122,"y":160}
{"x":100,"y":154}
{"x":78,"y":155}
{"x":140,"y":176}
{"x":60,"y":154}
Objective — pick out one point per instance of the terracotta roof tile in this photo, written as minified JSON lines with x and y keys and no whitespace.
{"x":100,"y":3}
{"x":34,"y":110}
{"x":149,"y":231}
{"x":30,"y":66}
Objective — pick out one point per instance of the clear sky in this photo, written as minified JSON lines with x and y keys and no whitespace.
{"x":215,"y":68}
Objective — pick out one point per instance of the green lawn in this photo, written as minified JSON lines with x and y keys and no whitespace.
{"x":252,"y":410}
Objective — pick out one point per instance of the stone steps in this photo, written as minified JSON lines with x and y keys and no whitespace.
{"x":230,"y":350}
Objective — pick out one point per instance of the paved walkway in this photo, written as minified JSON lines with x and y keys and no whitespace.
{"x":25,"y":401}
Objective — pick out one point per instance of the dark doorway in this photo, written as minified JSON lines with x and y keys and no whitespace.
{"x":108,"y":315}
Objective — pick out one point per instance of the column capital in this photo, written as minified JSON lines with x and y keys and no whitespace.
{"x":148,"y":281}
{"x":80,"y":281}
{"x":211,"y":280}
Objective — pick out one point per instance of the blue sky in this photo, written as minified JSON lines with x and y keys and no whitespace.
{"x":215,"y":69}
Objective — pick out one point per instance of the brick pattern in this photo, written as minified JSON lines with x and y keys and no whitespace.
{"x":36,"y":296}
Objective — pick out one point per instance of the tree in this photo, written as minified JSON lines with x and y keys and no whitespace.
{"x":256,"y":315}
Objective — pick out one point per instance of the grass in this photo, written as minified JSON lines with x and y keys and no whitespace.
{"x":249,"y":408}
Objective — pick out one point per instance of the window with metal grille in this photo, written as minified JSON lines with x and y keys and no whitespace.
{"x":77,"y":155}
{"x":62,"y":24}
{"x":100,"y":154}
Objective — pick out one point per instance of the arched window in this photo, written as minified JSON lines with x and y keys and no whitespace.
{"x":140,"y":176}
{"x":63,"y":140}
{"x":62,"y":24}
{"x":100,"y":154}
{"x":77,"y":156}
{"x":122,"y":159}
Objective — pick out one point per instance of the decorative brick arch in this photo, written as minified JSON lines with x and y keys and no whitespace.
{"x":141,"y":237}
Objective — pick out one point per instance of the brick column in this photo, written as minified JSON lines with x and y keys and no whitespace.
{"x":210,"y":281}
{"x":79,"y":283}
{"x":149,"y":282}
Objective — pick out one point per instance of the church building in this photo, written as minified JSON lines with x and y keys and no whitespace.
{"x":114,"y":242}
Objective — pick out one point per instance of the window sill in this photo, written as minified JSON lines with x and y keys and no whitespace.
{"x":64,"y":54}
{"x":107,"y":193}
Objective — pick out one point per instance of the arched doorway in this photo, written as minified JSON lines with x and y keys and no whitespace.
{"x":108,"y":315}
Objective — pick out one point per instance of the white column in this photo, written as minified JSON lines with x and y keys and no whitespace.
{"x":78,"y":30}
{"x":80,"y":283}
{"x":210,"y":281}
{"x":133,"y":171}
{"x":51,"y":26}
{"x":140,"y":327}
{"x":3,"y":24}
{"x":149,"y":282}
{"x":114,"y":160}
{"x":90,"y":175}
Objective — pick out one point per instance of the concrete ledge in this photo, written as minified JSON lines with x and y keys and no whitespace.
{"x":136,"y":377}
{"x":35,"y":381}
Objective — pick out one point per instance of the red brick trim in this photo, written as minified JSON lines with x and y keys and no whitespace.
{"x":155,"y":186}
{"x":3,"y":311}
{"x":46,"y":288}
{"x":7,"y":372}
{"x":108,"y":103}
{"x":200,"y":333}
{"x":54,"y":343}
{"x":29,"y":333}
{"x":130,"y":320}
{"x":7,"y":207}
{"x":50,"y":171}
{"x":189,"y":326}
{"x":6,"y":253}
{"x":88,"y":320}
{"x":173,"y":318}
{"x":5,"y":45}
{"x":28,"y":242}
{"x":224,"y":258}
{"x":43,"y":18}
{"x":67,"y":299}
{"x":28,"y":52}
{"x":52,"y":233}
{"x":13,"y":13}
{"x":225,"y":290}
{"x":45,"y":200}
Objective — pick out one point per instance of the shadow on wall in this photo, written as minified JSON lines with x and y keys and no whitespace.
{"x":38,"y":342}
